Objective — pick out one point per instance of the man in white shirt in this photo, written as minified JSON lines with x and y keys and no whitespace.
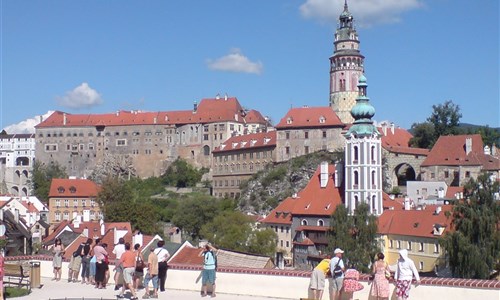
{"x":163,"y":256}
{"x":337,"y":269}
{"x":404,"y":275}
{"x":118,"y":251}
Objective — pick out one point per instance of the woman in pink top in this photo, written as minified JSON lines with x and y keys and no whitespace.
{"x":101,"y":265}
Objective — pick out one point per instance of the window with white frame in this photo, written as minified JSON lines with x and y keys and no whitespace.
{"x":58,"y":202}
{"x":66,"y":202}
{"x":421,"y":247}
{"x":436,"y":247}
{"x":66,"y":215}
{"x":58,"y":216}
{"x":421,"y":265}
{"x":75,"y":202}
{"x":398,"y":244}
{"x":304,"y":222}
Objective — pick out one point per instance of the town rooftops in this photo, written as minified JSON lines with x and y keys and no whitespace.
{"x":208,"y":111}
{"x":73,"y":188}
{"x":429,"y":221}
{"x":248,"y":141}
{"x":396,"y":140}
{"x":461,"y":150}
{"x":323,"y":116}
{"x":282,"y":213}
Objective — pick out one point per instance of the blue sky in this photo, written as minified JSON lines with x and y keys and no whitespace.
{"x":102,"y":56}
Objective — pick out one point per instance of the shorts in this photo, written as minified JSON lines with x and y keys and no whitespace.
{"x":75,"y":263}
{"x":138,"y":274}
{"x":208,"y":276}
{"x":128,"y":274}
{"x":153,"y":278}
{"x":337,"y":283}
{"x":118,"y":265}
{"x":317,"y":280}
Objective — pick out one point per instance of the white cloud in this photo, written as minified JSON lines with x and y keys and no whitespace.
{"x":366,"y":12}
{"x":28,"y":125}
{"x":82,"y":96}
{"x":235,"y":61}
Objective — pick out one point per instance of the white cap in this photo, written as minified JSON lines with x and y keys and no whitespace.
{"x":338,"y":250}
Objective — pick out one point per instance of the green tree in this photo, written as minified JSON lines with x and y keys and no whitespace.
{"x":42,"y":178}
{"x":234,"y":230}
{"x":424,"y":135}
{"x":193,"y":213}
{"x":120,"y":202}
{"x":445,"y":118}
{"x":355,"y":234}
{"x":490,"y":136}
{"x":181,"y":174}
{"x":473,"y":244}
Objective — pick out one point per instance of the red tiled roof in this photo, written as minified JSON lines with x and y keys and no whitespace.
{"x":304,"y":242}
{"x":451,"y":151}
{"x":248,"y":141}
{"x":208,"y":111}
{"x":254,"y":116}
{"x":282,"y":213}
{"x":73,"y":188}
{"x":413,"y":222}
{"x":310,"y":117}
{"x":187,"y":255}
{"x":29,"y":207}
{"x":452,"y":191}
{"x":315,"y":200}
{"x":398,"y":141}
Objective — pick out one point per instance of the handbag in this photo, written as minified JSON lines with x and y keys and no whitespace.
{"x":139,"y":264}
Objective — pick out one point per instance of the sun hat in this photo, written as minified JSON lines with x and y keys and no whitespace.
{"x":338,"y":250}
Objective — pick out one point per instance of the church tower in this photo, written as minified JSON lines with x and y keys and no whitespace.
{"x":363,"y":156}
{"x":346,"y":66}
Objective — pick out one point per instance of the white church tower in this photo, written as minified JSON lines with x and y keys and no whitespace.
{"x":363,"y":156}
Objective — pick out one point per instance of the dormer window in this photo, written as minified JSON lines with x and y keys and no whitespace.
{"x":289,"y":120}
{"x":266,"y":140}
{"x":252,"y":142}
{"x":60,"y":190}
{"x":234,"y":145}
{"x":322,"y":119}
{"x":72,"y":190}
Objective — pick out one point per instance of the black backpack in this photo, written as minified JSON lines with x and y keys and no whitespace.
{"x":78,"y":251}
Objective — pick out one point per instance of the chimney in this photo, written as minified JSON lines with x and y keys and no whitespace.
{"x":103,"y":229}
{"x":195,"y":107}
{"x":217,"y":97}
{"x":324,"y":174}
{"x":64,"y":119}
{"x":468,"y":145}
{"x":392,"y":127}
{"x":407,"y":203}
{"x":225,"y":97}
{"x":154,"y":120}
{"x":487,"y":150}
{"x":441,"y":193}
{"x":86,"y":232}
{"x":438,"y":210}
{"x":41,"y":118}
{"x":117,"y":113}
{"x":384,"y":128}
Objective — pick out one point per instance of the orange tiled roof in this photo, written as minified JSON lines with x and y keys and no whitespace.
{"x":451,"y":151}
{"x":282,"y":213}
{"x":452,"y":191}
{"x":304,"y":242}
{"x":248,"y":141}
{"x":188,"y":255}
{"x":323,"y":116}
{"x":73,"y":188}
{"x":419,"y":223}
{"x":398,"y":141}
{"x":317,"y":201}
{"x":209,"y":110}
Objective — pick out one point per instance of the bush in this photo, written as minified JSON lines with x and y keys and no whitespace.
{"x":274,"y":175}
{"x":13,"y":292}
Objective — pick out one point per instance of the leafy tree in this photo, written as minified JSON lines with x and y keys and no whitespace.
{"x":233,"y":230}
{"x":42,"y":177}
{"x":473,"y":245}
{"x":355,"y":234}
{"x":120,"y":202}
{"x":445,"y":118}
{"x":181,"y":174}
{"x":193,"y":213}
{"x":424,"y":135}
{"x":490,"y":136}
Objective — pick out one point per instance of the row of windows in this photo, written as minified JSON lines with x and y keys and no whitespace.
{"x":65,"y":215}
{"x":222,"y":183}
{"x":75,"y":202}
{"x":237,"y":157}
{"x":236,"y":167}
{"x":306,"y":134}
{"x":281,"y":229}
{"x":409,"y":246}
{"x":107,"y":133}
{"x":320,"y":222}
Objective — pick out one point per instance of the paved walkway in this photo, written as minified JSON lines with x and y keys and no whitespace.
{"x":65,"y":290}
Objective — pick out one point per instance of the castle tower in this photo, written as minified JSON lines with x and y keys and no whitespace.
{"x":363,"y":156}
{"x":346,"y":66}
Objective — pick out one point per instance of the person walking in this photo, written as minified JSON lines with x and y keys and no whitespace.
{"x":151,"y":275}
{"x":337,"y":268}
{"x":381,"y":273}
{"x":163,"y":256}
{"x":209,"y":268}
{"x":118,"y":251}
{"x":127,"y":261}
{"x":139,"y":267}
{"x":404,"y":275}
{"x":318,"y":278}
{"x":351,"y":282}
{"x":58,"y":251}
{"x":86,"y":261}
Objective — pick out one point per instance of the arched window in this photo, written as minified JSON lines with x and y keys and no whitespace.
{"x":206,"y":150}
{"x":321,"y":222}
{"x":356,"y":201}
{"x":372,"y":154}
{"x":356,"y":154}
{"x":374,"y":204}
{"x":374,"y":181}
{"x":356,"y":178}
{"x":303,"y":222}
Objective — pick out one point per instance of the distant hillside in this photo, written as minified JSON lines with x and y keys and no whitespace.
{"x":266,"y":189}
